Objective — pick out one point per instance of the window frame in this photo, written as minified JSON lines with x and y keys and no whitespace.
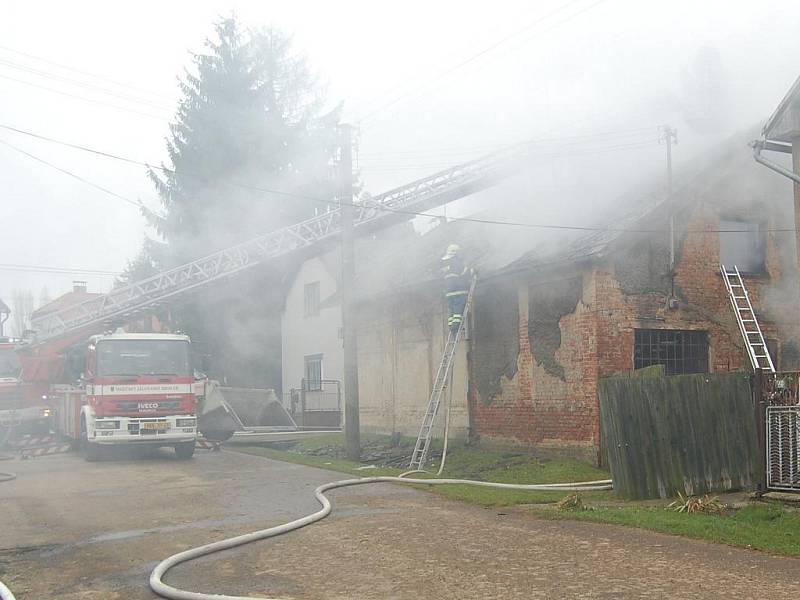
{"x":731,"y":222}
{"x":311,"y":301}
{"x":652,"y":347}
{"x":312,"y":385}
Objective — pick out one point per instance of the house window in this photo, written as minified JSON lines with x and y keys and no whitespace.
{"x":311,"y":299}
{"x":681,"y":352}
{"x":313,"y":373}
{"x":741,"y":244}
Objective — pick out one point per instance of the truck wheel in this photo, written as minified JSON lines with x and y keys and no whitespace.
{"x":184,"y":450}
{"x":91,"y":452}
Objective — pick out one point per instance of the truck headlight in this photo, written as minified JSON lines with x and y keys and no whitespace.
{"x":106,"y":424}
{"x":186,"y":422}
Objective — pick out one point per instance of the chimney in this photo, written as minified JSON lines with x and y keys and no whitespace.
{"x":79,"y":287}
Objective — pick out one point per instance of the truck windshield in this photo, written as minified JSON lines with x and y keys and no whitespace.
{"x":9,"y":362}
{"x":143,"y":357}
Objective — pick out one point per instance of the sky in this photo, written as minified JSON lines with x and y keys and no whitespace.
{"x":429,"y":84}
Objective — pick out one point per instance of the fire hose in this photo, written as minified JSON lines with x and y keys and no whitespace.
{"x":167,"y":591}
{"x":5,"y":593}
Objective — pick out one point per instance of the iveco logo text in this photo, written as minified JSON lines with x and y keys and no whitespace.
{"x":148,"y":406}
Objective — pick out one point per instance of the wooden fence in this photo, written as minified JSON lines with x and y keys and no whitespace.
{"x":686,"y":433}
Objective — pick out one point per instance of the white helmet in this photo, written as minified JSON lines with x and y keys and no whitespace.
{"x":452,"y":250}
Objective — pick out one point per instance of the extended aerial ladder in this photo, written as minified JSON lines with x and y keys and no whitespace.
{"x":439,"y":386}
{"x":396,"y":205}
{"x":754,"y":341}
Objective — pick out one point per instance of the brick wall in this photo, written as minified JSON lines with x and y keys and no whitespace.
{"x":551,"y":414}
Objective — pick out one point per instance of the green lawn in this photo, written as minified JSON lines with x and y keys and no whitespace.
{"x":764,"y":527}
{"x":760,"y":526}
{"x":463,"y":462}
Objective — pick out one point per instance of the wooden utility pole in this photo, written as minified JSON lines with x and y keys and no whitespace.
{"x":352,"y":430}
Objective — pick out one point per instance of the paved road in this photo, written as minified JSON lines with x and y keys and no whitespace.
{"x":74,"y":530}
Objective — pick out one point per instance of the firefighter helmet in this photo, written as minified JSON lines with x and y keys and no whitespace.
{"x":452,"y":250}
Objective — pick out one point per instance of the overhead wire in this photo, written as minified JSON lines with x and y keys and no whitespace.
{"x":569,"y":153}
{"x":83,"y":84}
{"x":462,"y":150}
{"x":85,"y":99}
{"x":374,"y":100}
{"x":56,"y":270}
{"x":367,"y":204}
{"x":83,"y":72}
{"x":137,"y":203}
{"x":457,"y":150}
{"x":445,"y":73}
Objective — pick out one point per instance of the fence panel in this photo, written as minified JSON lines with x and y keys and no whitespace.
{"x":685,"y":433}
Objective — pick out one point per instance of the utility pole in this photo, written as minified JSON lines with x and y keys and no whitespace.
{"x":670,"y":136}
{"x":352,"y":430}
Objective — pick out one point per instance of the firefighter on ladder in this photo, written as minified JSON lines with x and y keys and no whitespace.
{"x":457,"y":280}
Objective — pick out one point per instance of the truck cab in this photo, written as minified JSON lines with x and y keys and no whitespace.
{"x":137,"y":389}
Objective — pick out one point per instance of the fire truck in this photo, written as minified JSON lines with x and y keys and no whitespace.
{"x":118,"y":389}
{"x":23,"y":407}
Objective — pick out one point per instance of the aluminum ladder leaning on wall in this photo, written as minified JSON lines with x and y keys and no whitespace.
{"x":746,"y":317}
{"x":439,"y":386}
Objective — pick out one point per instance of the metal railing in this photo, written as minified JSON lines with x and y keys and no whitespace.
{"x":382,"y":210}
{"x":316,"y":403}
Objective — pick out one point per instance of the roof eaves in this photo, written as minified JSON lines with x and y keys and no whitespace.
{"x":792,"y":94}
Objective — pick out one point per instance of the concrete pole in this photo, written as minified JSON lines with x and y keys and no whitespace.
{"x":796,"y":186}
{"x":352,"y":426}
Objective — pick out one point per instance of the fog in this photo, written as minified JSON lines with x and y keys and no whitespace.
{"x":428,"y":85}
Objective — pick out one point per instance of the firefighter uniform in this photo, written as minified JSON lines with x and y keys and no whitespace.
{"x":457,"y":281}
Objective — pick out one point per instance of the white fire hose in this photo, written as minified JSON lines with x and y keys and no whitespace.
{"x":5,"y":593}
{"x":168,"y":591}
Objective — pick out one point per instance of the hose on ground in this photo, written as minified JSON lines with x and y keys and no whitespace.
{"x":167,"y":591}
{"x":5,"y":593}
{"x":4,"y":475}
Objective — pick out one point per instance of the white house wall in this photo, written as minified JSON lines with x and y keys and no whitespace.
{"x":304,"y":336}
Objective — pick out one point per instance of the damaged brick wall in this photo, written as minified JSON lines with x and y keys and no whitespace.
{"x":496,"y":344}
{"x":544,"y":405}
{"x":546,"y":306}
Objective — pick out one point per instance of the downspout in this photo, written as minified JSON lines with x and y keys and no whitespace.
{"x":758,"y":146}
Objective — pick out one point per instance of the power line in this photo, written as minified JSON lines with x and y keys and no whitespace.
{"x":369,"y":116}
{"x":567,"y":152}
{"x":84,"y":98}
{"x":82,"y":72}
{"x":137,"y":204}
{"x":485,"y":50}
{"x":64,"y":270}
{"x":83,"y":84}
{"x":382,"y":208}
{"x":162,"y":168}
{"x":599,"y":135}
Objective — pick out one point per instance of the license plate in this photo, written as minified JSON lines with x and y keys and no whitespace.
{"x":156,"y":426}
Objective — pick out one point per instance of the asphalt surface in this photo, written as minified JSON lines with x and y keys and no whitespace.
{"x":74,"y":530}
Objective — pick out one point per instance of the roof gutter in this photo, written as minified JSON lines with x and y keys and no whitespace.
{"x":759,"y":145}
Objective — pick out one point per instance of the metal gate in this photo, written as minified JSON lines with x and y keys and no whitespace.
{"x":778,"y":411}
{"x":783,"y":448}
